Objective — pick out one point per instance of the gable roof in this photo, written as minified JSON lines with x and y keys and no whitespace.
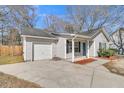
{"x":37,"y":32}
{"x":45,"y":33}
{"x":95,"y":32}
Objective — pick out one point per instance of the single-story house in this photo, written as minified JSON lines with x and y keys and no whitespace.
{"x":40,"y":44}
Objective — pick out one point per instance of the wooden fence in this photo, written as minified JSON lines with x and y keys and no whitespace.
{"x":11,"y":50}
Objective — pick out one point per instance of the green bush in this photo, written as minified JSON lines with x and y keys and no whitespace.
{"x":115,"y":51}
{"x":99,"y":54}
{"x":106,"y":53}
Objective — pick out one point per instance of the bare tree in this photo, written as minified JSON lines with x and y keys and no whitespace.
{"x":3,"y":22}
{"x":16,"y":17}
{"x":54,"y":23}
{"x":84,"y":18}
{"x":118,"y":40}
{"x":94,"y":17}
{"x":23,"y":15}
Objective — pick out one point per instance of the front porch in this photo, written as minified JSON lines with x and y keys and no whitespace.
{"x":77,"y":48}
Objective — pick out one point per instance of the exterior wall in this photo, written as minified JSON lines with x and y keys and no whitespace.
{"x":24,"y":47}
{"x":91,"y":50}
{"x":28,"y":51}
{"x":95,"y":44}
{"x":54,"y":50}
{"x":28,"y":46}
{"x":61,"y":48}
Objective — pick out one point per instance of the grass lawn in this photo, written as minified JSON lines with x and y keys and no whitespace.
{"x":10,"y":59}
{"x":9,"y":81}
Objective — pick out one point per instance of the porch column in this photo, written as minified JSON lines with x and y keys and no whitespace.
{"x":31,"y":51}
{"x":72,"y":50}
{"x":88,"y":49}
{"x":94,"y":46}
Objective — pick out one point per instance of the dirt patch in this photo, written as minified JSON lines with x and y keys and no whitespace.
{"x":56,"y":59}
{"x":85,"y":61}
{"x":116,"y":66}
{"x":9,"y":81}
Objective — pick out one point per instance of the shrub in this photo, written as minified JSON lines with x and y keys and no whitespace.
{"x":112,"y":52}
{"x":115,"y":51}
{"x":99,"y":54}
{"x":106,"y":53}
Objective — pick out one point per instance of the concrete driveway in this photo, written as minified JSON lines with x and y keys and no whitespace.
{"x":64,"y":74}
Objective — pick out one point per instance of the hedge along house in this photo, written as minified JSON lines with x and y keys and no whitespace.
{"x":40,"y":44}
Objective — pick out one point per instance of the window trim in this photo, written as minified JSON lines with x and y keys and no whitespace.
{"x":68,"y":46}
{"x":76,"y":47}
{"x":102,"y":45}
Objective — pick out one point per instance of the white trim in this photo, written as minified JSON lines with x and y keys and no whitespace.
{"x":72,"y":50}
{"x":104,"y":33}
{"x":73,"y":35}
{"x":87,"y":48}
{"x":38,"y":37}
{"x":83,"y":36}
{"x":32,"y":51}
{"x":65,"y":48}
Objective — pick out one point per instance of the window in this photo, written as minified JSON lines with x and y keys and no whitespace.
{"x":102,"y":45}
{"x":68,"y":46}
{"x":77,"y":47}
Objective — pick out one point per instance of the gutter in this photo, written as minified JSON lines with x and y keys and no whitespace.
{"x":38,"y":37}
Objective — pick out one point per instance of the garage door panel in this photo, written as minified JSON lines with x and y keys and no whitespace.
{"x":42,"y":51}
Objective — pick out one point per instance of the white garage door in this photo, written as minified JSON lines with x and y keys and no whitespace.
{"x":42,"y":51}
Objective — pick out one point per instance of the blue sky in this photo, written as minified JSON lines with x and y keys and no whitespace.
{"x":59,"y":10}
{"x":43,"y":10}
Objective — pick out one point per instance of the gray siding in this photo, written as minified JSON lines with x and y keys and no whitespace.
{"x":29,"y":46}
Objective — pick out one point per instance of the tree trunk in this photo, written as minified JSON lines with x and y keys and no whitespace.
{"x":122,"y":51}
{"x":119,"y":50}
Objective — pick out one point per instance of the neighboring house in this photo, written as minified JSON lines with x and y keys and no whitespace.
{"x":117,"y":39}
{"x":39,"y":44}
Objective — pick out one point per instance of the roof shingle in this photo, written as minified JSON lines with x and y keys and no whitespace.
{"x":37,"y":32}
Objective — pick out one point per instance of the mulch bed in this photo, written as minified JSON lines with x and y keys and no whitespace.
{"x":9,"y":81}
{"x":85,"y":61}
